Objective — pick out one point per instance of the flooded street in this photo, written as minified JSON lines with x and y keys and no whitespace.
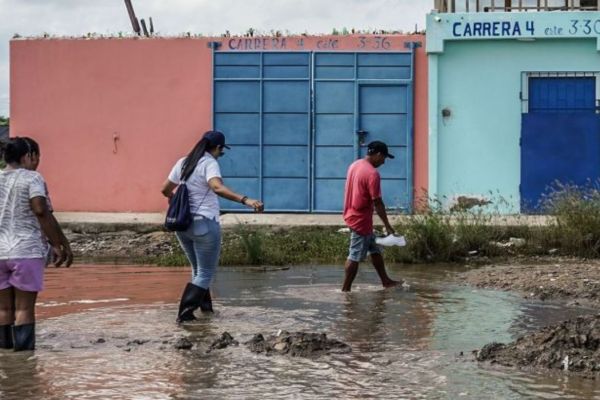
{"x":108,"y":332}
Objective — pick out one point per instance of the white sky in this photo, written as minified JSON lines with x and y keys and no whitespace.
{"x":172,"y":17}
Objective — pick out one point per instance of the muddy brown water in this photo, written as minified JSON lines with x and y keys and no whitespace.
{"x":107,"y":332}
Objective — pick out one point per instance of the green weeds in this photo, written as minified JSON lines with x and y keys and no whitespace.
{"x":434,"y":235}
{"x":576,"y":230}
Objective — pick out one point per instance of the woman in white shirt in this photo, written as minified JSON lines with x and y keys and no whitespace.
{"x":26,"y":225}
{"x":201,"y":242}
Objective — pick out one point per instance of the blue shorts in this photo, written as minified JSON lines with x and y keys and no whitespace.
{"x":361,"y":246}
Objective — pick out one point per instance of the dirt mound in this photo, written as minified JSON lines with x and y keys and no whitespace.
{"x":572,"y":346}
{"x":296,"y":344}
{"x":564,"y":279}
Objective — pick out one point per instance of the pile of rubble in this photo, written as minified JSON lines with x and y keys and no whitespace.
{"x":572,"y":346}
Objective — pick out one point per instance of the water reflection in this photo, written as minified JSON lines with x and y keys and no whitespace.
{"x":21,"y":377}
{"x":373,"y":319}
{"x":406,"y":343}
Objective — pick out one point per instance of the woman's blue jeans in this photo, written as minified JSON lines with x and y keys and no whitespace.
{"x":201,"y":243}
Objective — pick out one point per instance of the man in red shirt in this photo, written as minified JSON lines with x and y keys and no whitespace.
{"x":362,"y":195}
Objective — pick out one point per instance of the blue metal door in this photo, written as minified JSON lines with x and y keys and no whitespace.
{"x":292,"y":149}
{"x":560,"y":137}
{"x":262,"y":104}
{"x":361,"y":97}
{"x":383,"y":114}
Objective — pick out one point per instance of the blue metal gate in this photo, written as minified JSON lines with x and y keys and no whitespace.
{"x":262,"y":103}
{"x":296,"y":121}
{"x":361,"y":97}
{"x":560,"y":137}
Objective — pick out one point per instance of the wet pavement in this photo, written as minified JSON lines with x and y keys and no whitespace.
{"x":84,"y":287}
{"x":109,"y":332}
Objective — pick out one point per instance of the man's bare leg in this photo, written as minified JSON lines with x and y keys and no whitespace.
{"x":378,"y":263}
{"x":351,"y":268}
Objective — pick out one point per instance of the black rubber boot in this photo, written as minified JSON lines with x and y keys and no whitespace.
{"x":24,"y":337}
{"x":6,"y":340}
{"x":206,"y":305}
{"x":191,"y":299}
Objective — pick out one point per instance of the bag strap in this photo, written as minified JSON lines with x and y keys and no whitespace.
{"x":183,"y":182}
{"x":201,"y":201}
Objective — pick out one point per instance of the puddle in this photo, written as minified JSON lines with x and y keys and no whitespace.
{"x":107,"y":332}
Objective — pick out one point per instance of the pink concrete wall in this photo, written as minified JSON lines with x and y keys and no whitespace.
{"x":74,"y":96}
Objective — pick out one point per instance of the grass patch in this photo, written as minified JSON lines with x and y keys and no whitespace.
{"x":577,"y":211}
{"x":258,"y":245}
{"x":253,"y":245}
{"x":438,"y":236}
{"x":434,"y":235}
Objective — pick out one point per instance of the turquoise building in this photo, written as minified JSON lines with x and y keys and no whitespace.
{"x":514,"y":100}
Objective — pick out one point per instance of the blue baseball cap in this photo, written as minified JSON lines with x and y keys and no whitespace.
{"x":216,"y":138}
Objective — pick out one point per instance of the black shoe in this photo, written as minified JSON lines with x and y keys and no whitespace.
{"x":23,"y":337}
{"x":6,"y":340}
{"x":206,"y":304}
{"x":191,"y":299}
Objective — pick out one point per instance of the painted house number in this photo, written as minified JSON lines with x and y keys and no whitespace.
{"x":578,"y":27}
{"x":375,"y":42}
{"x":585,"y":26}
{"x":281,"y":43}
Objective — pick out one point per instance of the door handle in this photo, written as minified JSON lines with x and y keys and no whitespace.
{"x":361,"y":136}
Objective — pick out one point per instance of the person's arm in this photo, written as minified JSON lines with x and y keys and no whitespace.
{"x":380,"y":210}
{"x":50,"y":228}
{"x":216,"y":184}
{"x":167,"y":189}
{"x":66,"y":246}
{"x":374,"y":189}
{"x":172,"y":180}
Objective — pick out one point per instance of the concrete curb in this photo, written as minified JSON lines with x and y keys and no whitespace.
{"x":149,"y":222}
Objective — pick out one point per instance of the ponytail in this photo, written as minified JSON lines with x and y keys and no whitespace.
{"x":192,"y":159}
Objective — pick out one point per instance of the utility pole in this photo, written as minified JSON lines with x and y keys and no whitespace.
{"x":134,"y":21}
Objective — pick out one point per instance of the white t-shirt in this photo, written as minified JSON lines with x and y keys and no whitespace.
{"x":20,"y":232}
{"x":203,"y":201}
